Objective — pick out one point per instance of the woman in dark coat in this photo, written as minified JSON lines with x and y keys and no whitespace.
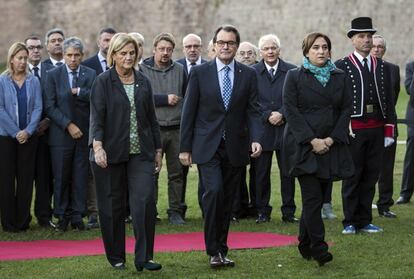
{"x":317,"y":109}
{"x":125,"y":137}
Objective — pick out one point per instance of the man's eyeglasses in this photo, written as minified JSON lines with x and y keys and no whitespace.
{"x":228,"y":43}
{"x":192,"y":46}
{"x":35,"y":47}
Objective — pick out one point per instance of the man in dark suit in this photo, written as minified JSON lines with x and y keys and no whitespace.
{"x":192,"y":47}
{"x":67,"y":105}
{"x":54,"y":39}
{"x":371,"y":128}
{"x":271,"y":73}
{"x":407,"y":185}
{"x":220,"y":112}
{"x":43,"y":171}
{"x":97,"y":63}
{"x":386,"y":178}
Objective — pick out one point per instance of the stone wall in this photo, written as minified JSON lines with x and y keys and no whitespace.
{"x":290,"y":20}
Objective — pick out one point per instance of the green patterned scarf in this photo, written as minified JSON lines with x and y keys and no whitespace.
{"x":322,"y":74}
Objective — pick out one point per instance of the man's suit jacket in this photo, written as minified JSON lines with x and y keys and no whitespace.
{"x":183,"y":62}
{"x":409,"y":87}
{"x":63,"y":108}
{"x":270,"y":99}
{"x":204,"y":116}
{"x":93,"y":63}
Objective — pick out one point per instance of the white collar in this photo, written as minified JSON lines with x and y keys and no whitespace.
{"x":274,"y":67}
{"x":221,"y":65}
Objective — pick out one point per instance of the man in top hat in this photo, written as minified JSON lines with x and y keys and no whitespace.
{"x":371,"y":128}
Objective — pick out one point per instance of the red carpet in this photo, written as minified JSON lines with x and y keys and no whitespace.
{"x":20,"y":250}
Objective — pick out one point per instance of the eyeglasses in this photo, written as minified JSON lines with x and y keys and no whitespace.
{"x":229,"y":43}
{"x":39,"y":47}
{"x":165,"y":49}
{"x":192,"y":46}
{"x":272,"y":48}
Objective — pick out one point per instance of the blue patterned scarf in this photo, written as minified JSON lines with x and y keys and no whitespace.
{"x":322,"y":74}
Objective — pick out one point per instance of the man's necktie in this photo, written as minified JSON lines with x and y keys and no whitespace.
{"x":74,"y":79}
{"x":272,"y":73}
{"x":36,"y":71}
{"x":58,"y":64}
{"x":226,"y":87}
{"x":106,"y":65}
{"x":365,"y":60}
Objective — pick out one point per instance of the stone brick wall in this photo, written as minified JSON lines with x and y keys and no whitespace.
{"x":290,"y":20}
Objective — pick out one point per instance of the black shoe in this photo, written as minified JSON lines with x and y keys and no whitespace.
{"x":150,"y":265}
{"x":62,"y":225}
{"x":402,"y":200}
{"x":80,"y":226}
{"x":216,"y":261}
{"x":387,"y":214}
{"x":92,"y":223}
{"x":263,"y":218}
{"x":234,"y":219}
{"x":305,"y":251}
{"x":47,"y":224}
{"x":325,"y":258}
{"x":176,"y":219}
{"x":119,"y":266}
{"x":227,"y":261}
{"x":290,"y":219}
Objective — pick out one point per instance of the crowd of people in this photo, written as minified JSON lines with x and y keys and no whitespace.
{"x":90,"y":135}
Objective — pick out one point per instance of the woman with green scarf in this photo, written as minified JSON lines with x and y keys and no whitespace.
{"x":315,"y":144}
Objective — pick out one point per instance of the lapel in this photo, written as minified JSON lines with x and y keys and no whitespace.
{"x":98,"y":65}
{"x":117,"y":82}
{"x":139,"y":83}
{"x":64,"y":76}
{"x":81,"y":76}
{"x":238,"y":72}
{"x":315,"y":85}
{"x":215,"y":82}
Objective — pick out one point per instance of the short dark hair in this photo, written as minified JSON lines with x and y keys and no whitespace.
{"x":109,"y":30}
{"x":227,"y":28}
{"x":31,"y":37}
{"x":164,"y":37}
{"x":310,"y":39}
{"x":53,"y":31}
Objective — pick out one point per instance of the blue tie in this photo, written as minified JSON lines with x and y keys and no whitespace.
{"x":226,"y":94}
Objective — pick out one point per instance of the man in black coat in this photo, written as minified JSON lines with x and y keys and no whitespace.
{"x":386,"y":178}
{"x":371,"y":127}
{"x":220,"y":113}
{"x":68,"y":90}
{"x":43,"y":171}
{"x":407,"y":186}
{"x":271,"y":73}
{"x":53,"y":40}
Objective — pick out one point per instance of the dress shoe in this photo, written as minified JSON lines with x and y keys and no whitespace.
{"x":226,"y":261}
{"x":402,"y":200}
{"x":263,"y":218}
{"x":47,"y":224}
{"x":387,"y":214}
{"x":176,"y":219}
{"x":92,"y":223}
{"x":80,"y":226}
{"x":119,"y":266}
{"x":323,"y":259}
{"x":305,"y":251}
{"x":149,"y":265}
{"x":216,"y":261}
{"x":62,"y":225}
{"x":290,"y":219}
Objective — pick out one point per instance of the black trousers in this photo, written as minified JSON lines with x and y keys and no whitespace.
{"x":263,"y":166}
{"x":367,"y":150}
{"x":17,"y":168}
{"x":70,"y":170}
{"x":111,"y":188}
{"x":386,"y":179}
{"x":243,"y":195}
{"x":43,"y":182}
{"x":311,"y":227}
{"x":407,"y":186}
{"x":219,"y":179}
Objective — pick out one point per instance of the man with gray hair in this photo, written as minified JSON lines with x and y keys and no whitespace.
{"x":271,"y":73}
{"x":53,"y":40}
{"x":386,"y":177}
{"x":66,"y":103}
{"x":247,"y":53}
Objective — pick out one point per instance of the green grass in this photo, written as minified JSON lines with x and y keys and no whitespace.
{"x":385,"y":255}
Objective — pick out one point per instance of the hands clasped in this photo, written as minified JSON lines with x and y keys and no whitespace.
{"x":321,"y":146}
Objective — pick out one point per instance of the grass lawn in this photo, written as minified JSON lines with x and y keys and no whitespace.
{"x":385,"y":255}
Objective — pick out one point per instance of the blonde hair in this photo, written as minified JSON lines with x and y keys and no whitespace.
{"x":118,"y":41}
{"x":13,"y":50}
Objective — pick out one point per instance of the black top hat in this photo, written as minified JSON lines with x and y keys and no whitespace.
{"x":359,"y":25}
